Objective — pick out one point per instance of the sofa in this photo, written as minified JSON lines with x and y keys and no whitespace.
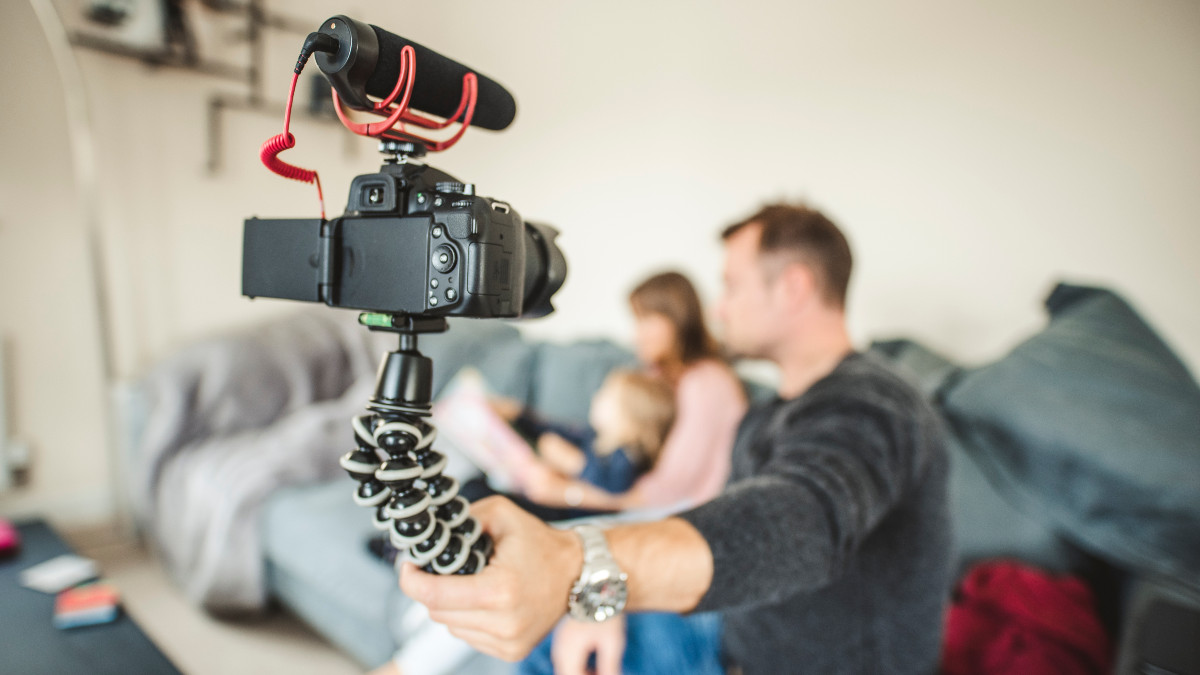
{"x":1076,"y":452}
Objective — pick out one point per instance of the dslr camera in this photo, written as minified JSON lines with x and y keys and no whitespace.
{"x":414,"y":240}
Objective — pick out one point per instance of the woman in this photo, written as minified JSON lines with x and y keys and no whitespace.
{"x":673,"y":342}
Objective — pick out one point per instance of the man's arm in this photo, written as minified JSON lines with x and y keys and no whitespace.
{"x":668,"y":562}
{"x":835,"y":471}
{"x":506,"y":609}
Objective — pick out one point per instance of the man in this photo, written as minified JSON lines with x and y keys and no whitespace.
{"x":828,"y":552}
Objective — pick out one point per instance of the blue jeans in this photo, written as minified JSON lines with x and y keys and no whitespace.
{"x":655,"y":644}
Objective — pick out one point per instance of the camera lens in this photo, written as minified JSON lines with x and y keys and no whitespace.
{"x":545,"y":269}
{"x":444,"y":258}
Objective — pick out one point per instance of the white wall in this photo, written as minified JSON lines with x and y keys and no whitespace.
{"x":974,"y":152}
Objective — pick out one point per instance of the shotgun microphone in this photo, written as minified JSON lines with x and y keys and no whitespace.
{"x":367,"y":61}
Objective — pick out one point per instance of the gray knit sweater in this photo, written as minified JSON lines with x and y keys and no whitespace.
{"x":831,"y":543}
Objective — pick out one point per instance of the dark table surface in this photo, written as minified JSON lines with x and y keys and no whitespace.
{"x":29,"y":642}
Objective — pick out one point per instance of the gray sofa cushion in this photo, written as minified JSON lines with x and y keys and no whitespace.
{"x":987,"y":526}
{"x":927,"y":370}
{"x":495,"y":348}
{"x":566,"y":376}
{"x":1095,"y":423}
{"x":315,"y":542}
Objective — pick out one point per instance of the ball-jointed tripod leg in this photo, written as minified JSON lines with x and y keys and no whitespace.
{"x":399,"y":472}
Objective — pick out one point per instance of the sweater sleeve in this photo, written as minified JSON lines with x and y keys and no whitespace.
{"x":832,"y":470}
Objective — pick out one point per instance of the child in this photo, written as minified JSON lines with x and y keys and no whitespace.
{"x":630,"y":416}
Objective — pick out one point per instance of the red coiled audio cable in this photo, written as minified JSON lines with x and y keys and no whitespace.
{"x":277,"y":144}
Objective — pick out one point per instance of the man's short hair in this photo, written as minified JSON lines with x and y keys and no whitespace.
{"x":797,"y":232}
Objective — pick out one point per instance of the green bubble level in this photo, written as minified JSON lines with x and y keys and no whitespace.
{"x":375,"y":319}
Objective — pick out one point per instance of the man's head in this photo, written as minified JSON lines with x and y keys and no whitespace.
{"x":787,"y":269}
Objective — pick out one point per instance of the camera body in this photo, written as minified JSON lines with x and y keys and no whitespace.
{"x":414,"y":241}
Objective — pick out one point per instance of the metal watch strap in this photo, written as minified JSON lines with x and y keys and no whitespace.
{"x":600,"y":579}
{"x":595,"y":546}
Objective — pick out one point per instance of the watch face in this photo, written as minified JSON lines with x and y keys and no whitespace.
{"x":601,"y":598}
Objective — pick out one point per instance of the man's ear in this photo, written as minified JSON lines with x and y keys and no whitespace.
{"x":798,"y":285}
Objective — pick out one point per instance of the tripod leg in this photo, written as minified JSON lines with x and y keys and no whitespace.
{"x":362,"y":463}
{"x":414,"y":502}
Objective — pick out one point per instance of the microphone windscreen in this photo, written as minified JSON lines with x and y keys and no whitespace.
{"x":437,"y":88}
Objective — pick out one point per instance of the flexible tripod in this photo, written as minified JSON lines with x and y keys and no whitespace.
{"x":398,"y":471}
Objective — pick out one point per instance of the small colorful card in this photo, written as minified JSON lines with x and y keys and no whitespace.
{"x":86,"y":605}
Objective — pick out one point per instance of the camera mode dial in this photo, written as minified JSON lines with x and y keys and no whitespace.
{"x":454,"y":187}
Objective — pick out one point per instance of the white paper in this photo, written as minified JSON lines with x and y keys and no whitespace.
{"x":59,"y":573}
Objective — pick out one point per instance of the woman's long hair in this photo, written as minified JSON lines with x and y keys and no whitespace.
{"x":672,"y":295}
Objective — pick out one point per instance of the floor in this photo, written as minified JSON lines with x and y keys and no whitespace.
{"x":197,"y":643}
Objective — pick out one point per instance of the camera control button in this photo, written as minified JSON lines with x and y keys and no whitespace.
{"x":444,"y":258}
{"x":451,"y":295}
{"x":433,"y":283}
{"x":437,"y":231}
{"x":433,"y":300}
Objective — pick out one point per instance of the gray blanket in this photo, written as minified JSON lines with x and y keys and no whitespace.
{"x":232,"y":419}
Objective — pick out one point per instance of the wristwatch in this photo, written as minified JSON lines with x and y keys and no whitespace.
{"x":600,"y":592}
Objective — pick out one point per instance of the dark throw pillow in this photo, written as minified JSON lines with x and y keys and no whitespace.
{"x":1095,"y":423}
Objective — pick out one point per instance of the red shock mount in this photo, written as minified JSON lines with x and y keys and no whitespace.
{"x":397,"y":117}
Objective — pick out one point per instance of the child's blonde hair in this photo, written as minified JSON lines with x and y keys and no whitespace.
{"x":648,"y":403}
